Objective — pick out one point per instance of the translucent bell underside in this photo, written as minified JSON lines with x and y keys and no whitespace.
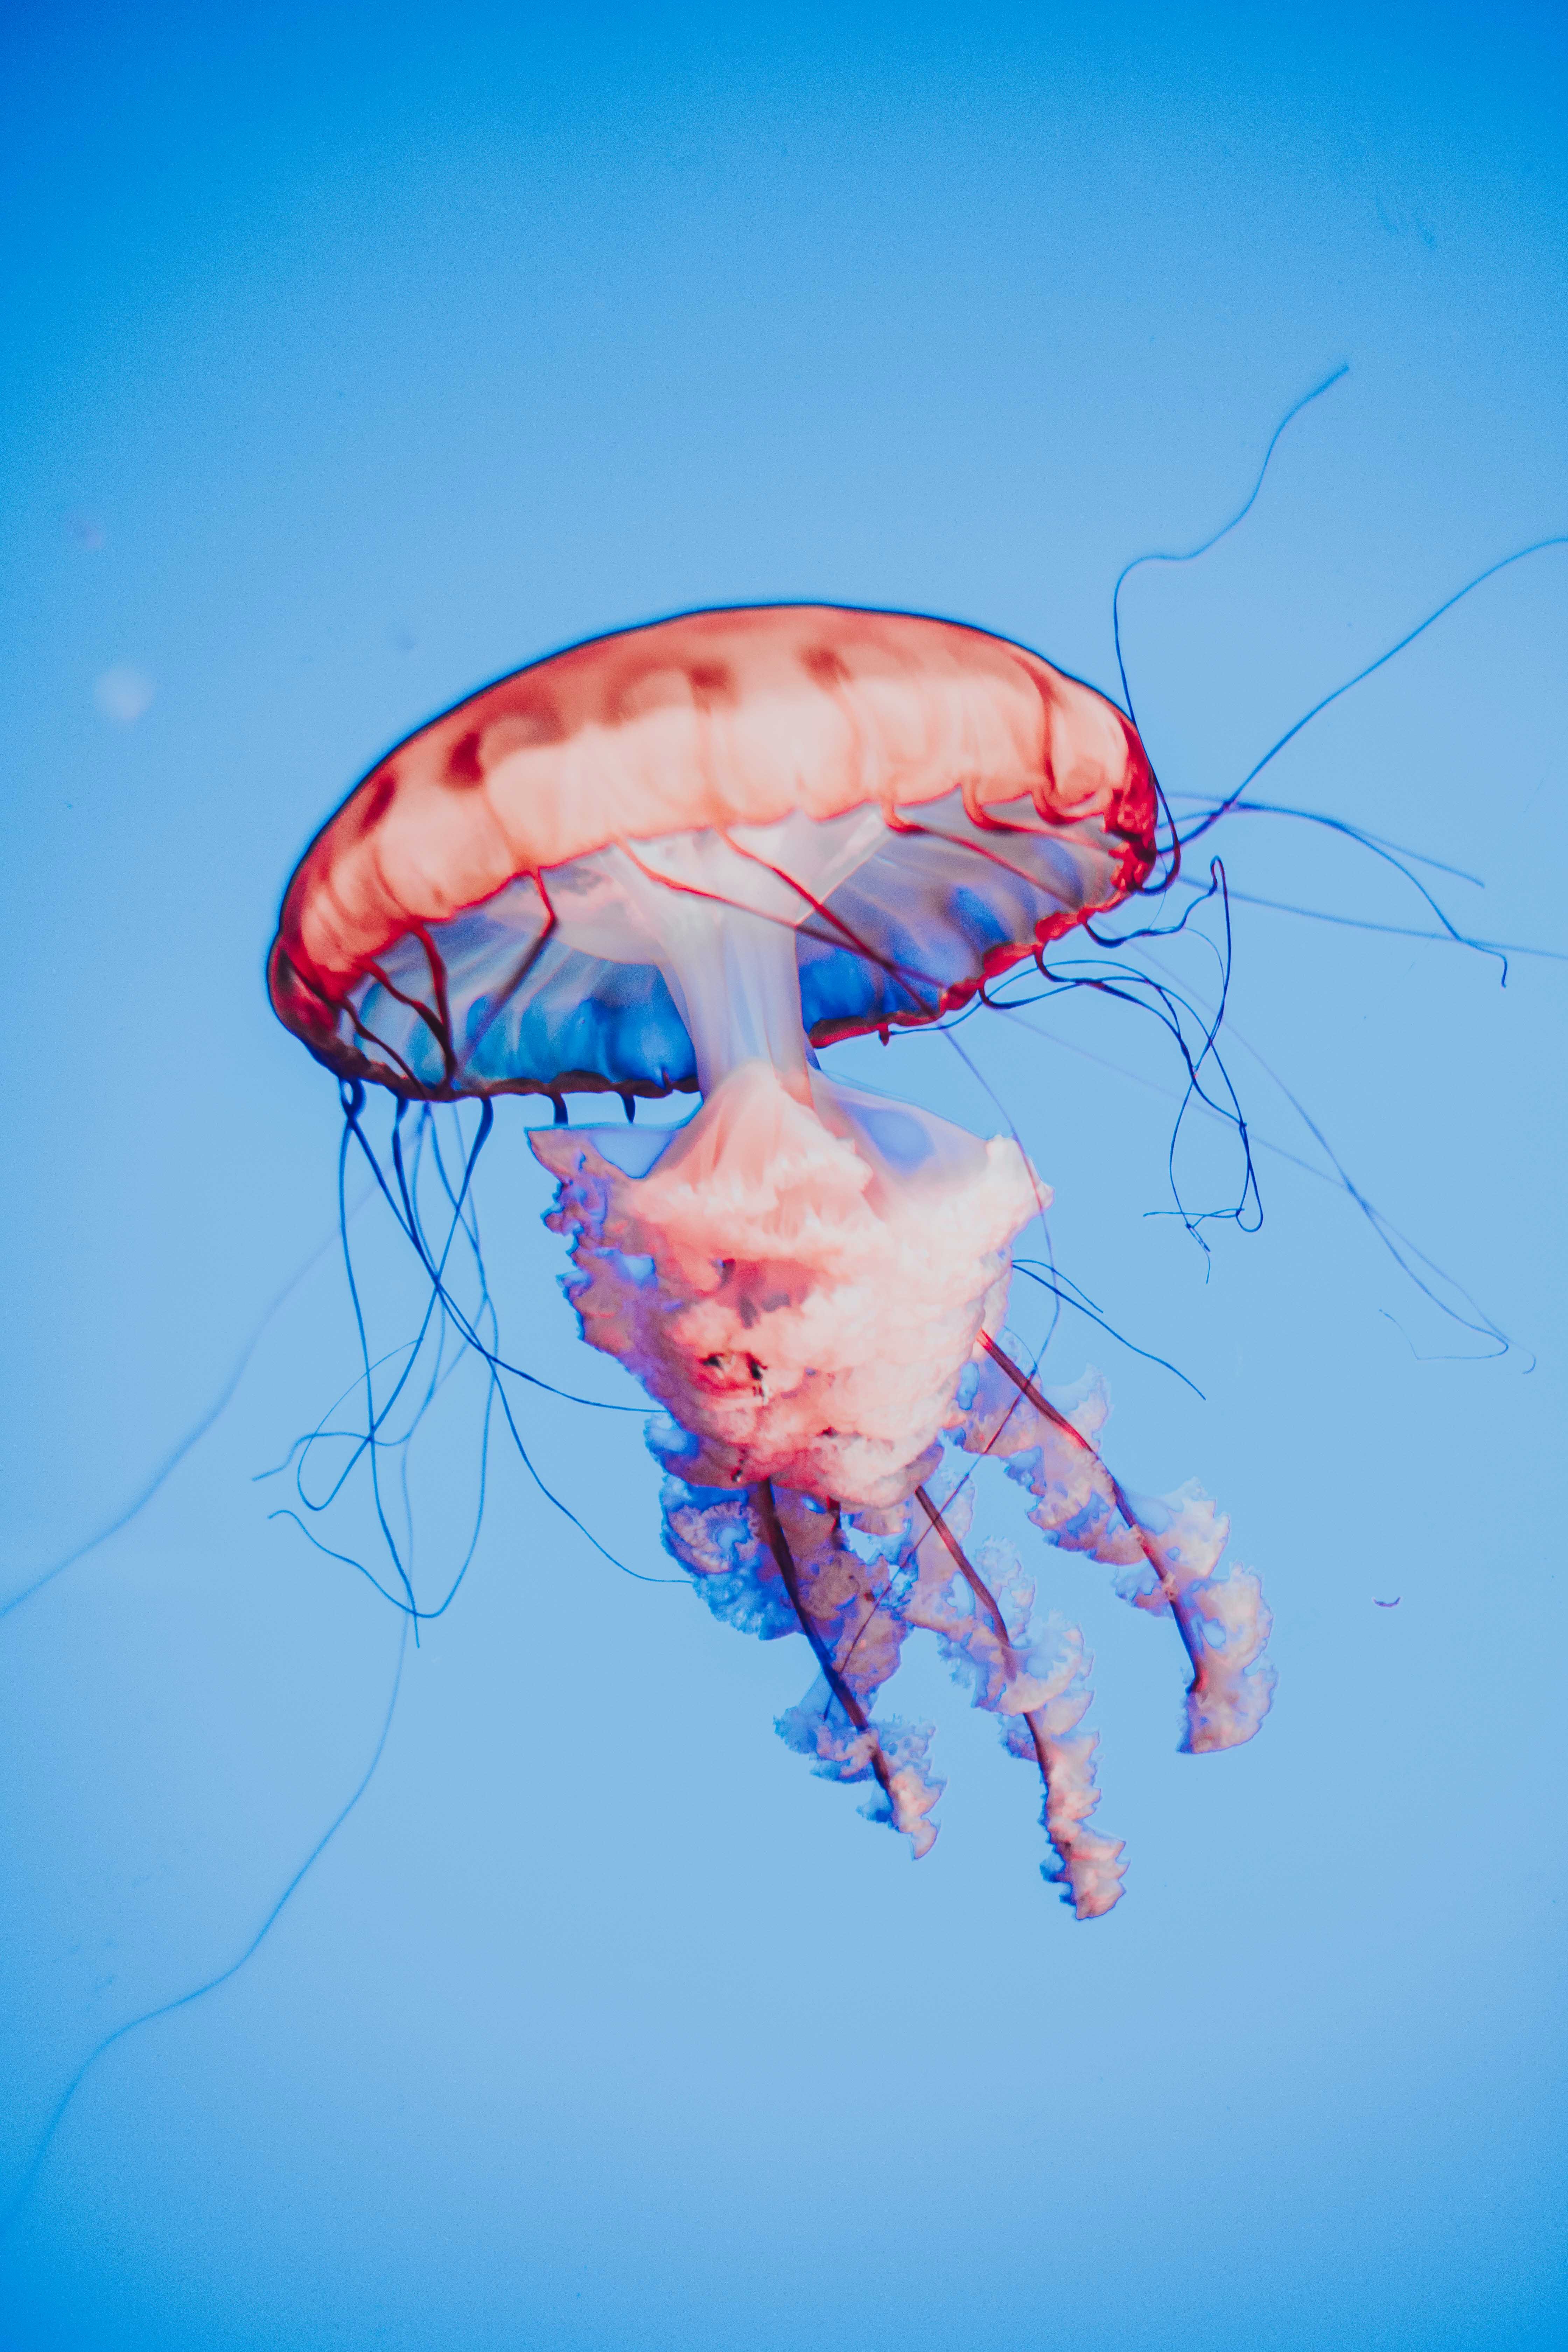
{"x":582,"y":976}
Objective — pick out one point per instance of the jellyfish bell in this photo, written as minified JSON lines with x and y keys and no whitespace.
{"x":641,"y":861}
{"x":683,"y":859}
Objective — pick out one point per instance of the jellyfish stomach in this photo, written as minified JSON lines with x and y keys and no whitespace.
{"x":788,"y":1293}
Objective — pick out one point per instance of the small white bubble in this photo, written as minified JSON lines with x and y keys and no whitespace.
{"x":123,"y":693}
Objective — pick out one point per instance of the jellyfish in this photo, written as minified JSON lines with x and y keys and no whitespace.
{"x":685,"y":858}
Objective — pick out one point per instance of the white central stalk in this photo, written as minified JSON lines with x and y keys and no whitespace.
{"x":718,"y":914}
{"x":736,"y":984}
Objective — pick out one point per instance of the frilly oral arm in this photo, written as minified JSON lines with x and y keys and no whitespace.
{"x":1047,"y":1699}
{"x":1231,"y":1689}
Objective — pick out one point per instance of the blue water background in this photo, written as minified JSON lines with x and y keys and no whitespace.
{"x":355,"y":356}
